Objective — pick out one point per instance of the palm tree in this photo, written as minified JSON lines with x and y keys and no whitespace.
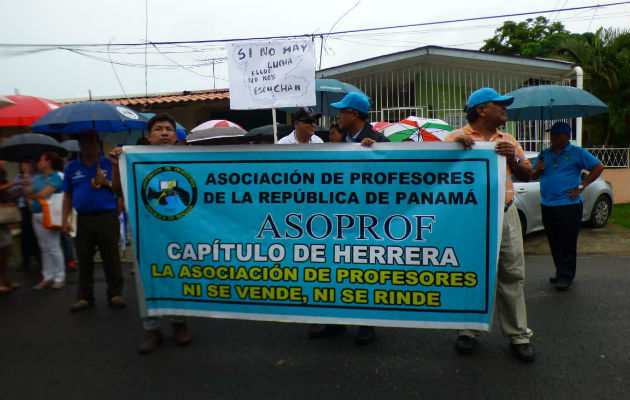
{"x":605,"y":58}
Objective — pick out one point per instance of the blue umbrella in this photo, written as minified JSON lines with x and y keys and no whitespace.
{"x":133,"y":136}
{"x":179,"y":129}
{"x":329,"y":91}
{"x":552,"y":102}
{"x":111,"y":121}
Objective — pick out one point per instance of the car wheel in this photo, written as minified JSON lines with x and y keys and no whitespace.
{"x":600,"y":212}
{"x":521,"y":216}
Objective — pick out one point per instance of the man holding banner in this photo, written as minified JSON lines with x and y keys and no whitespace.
{"x":160,"y":132}
{"x":352,"y":119}
{"x":486,"y":112}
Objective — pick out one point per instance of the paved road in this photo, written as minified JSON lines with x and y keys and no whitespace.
{"x":581,"y":342}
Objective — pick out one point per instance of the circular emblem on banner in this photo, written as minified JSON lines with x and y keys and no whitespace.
{"x":127,"y":112}
{"x":169,"y":193}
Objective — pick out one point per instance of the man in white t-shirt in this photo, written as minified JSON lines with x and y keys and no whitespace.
{"x":304,"y":120}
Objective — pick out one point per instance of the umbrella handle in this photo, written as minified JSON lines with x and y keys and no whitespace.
{"x":93,"y":180}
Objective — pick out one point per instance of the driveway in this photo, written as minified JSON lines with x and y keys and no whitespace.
{"x":611,"y":240}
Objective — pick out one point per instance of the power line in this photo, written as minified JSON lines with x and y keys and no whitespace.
{"x":309,"y":35}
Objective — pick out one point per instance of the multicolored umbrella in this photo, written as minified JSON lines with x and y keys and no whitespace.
{"x":428,"y":129}
{"x":399,"y":132}
{"x":217,"y":135}
{"x":25,"y":110}
{"x":380,"y":125}
{"x":216,"y":123}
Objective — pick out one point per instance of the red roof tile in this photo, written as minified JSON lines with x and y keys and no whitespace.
{"x":179,"y":97}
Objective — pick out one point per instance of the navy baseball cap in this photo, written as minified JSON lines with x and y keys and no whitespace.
{"x":485,"y":95}
{"x":355,"y":100}
{"x":306,"y":112}
{"x":560,"y":127}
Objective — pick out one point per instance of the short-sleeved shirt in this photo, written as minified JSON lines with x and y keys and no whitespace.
{"x":21,"y":201}
{"x":77,"y":181}
{"x":40,"y":182}
{"x":291,"y":139}
{"x":562,"y":173}
{"x":478,"y":137}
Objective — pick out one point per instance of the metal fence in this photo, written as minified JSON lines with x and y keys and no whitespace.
{"x":612,"y":157}
{"x":440,"y":91}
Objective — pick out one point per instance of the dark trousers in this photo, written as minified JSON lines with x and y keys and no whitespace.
{"x":102,"y":232}
{"x":562,"y":225}
{"x":28,"y":241}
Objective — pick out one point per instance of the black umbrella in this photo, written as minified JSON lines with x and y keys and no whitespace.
{"x":71,"y":145}
{"x":29,"y":145}
{"x":265,"y":132}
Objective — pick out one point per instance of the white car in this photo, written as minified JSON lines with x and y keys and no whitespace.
{"x":597,"y":202}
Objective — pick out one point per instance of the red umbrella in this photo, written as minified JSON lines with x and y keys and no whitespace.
{"x":25,"y":111}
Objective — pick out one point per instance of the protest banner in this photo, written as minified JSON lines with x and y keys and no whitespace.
{"x":271,"y":74}
{"x":397,"y":235}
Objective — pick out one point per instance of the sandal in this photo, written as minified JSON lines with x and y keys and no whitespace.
{"x":42,"y":285}
{"x":5,"y":289}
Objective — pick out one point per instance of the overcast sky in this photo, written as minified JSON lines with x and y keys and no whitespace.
{"x":71,"y":72}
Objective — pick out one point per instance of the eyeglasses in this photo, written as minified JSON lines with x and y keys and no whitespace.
{"x":307,"y":121}
{"x":346,"y":111}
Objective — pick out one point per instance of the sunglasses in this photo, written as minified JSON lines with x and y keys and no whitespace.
{"x":307,"y":120}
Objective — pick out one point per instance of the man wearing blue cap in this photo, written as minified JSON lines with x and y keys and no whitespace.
{"x":560,"y":169}
{"x":352,"y":119}
{"x":486,"y":112}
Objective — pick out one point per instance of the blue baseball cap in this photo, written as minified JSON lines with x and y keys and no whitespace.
{"x":560,"y":127}
{"x":355,"y":100}
{"x":485,"y":95}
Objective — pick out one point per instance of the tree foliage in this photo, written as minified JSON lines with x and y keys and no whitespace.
{"x":531,"y":38}
{"x":604,"y":56}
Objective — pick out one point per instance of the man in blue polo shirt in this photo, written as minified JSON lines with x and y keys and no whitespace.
{"x":87,"y":187}
{"x":560,"y":168}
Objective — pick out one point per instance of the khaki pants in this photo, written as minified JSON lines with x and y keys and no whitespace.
{"x":510,"y":298}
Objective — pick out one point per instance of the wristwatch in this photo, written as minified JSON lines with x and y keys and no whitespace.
{"x":581,"y":187}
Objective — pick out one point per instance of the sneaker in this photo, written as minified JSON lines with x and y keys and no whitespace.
{"x":562,"y":286}
{"x":318,"y":331}
{"x":465,"y":345}
{"x":117,"y":302}
{"x":150,"y":342}
{"x":524,"y":352}
{"x":182,"y":334}
{"x":58,"y":285}
{"x":365,"y":335}
{"x":81,"y":305}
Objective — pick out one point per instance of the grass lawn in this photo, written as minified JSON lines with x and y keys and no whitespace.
{"x":621,"y":215}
